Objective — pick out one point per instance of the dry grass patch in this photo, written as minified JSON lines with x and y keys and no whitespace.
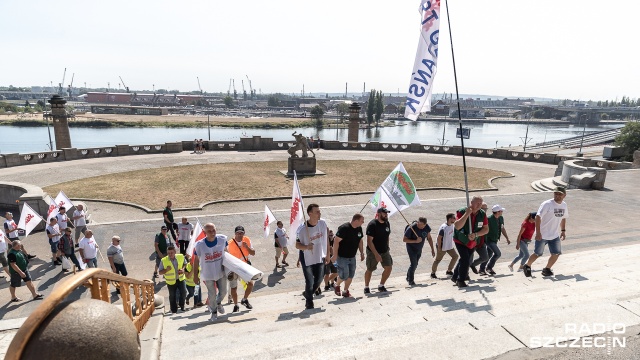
{"x":195,"y":184}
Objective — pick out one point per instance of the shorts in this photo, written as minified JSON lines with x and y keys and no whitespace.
{"x":3,"y":260}
{"x":159,"y":259}
{"x":54,"y":246}
{"x":372,"y":264}
{"x":80,"y":230}
{"x":233,"y":280}
{"x":346,"y":267}
{"x":280,"y":250}
{"x":554,"y":247}
{"x":330,"y":268}
{"x":16,"y":280}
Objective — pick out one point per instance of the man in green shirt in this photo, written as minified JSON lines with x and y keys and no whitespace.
{"x":496,"y":228}
{"x":19,"y":272}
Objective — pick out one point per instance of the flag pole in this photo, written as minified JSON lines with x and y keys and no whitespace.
{"x":405,"y":219}
{"x":455,"y":76}
{"x":304,"y":217}
{"x":365,"y":205}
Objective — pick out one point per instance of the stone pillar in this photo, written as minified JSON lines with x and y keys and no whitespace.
{"x":60,"y":124}
{"x":636,"y":159}
{"x":354,"y":122}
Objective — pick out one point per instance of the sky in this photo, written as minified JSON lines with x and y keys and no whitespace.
{"x":581,"y":50}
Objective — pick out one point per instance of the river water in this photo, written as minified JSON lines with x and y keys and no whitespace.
{"x":15,"y":139}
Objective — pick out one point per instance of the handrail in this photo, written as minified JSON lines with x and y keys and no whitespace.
{"x":98,"y":281}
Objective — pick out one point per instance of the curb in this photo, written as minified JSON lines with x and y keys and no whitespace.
{"x":151,"y":336}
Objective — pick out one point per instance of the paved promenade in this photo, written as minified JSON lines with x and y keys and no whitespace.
{"x":598,"y":261}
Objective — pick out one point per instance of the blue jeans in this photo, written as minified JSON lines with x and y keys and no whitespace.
{"x":555,"y":247}
{"x":482,"y":252}
{"x":494,"y":254}
{"x":313,"y":277}
{"x":192,"y":293}
{"x":524,"y":252}
{"x":461,"y":272}
{"x":92,"y":263}
{"x":414,"y":257}
{"x":346,"y":267}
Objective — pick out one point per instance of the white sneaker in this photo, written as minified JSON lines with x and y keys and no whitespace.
{"x":214,"y":317}
{"x":220,"y":309}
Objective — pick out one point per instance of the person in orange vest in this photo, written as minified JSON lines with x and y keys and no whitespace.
{"x":172,"y":267}
{"x":240,"y":247}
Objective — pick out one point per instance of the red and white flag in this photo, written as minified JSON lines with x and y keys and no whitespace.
{"x":297,"y":207}
{"x":60,"y":200}
{"x":29,"y":219}
{"x":198,"y":234}
{"x":268,"y":219}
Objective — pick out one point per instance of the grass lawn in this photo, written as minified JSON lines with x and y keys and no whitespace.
{"x":195,"y":184}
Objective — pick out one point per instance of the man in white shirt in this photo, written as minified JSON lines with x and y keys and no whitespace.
{"x":551,"y":220}
{"x":185,"y":230}
{"x":208,"y":254}
{"x":445,"y":245}
{"x":3,"y":249}
{"x":313,"y":243}
{"x":280,"y":243}
{"x":54,"y":234}
{"x":89,"y":249}
{"x":62,"y":218}
{"x":79,"y":221}
{"x":11,"y":232}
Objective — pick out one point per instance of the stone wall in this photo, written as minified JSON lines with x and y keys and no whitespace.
{"x":13,"y":195}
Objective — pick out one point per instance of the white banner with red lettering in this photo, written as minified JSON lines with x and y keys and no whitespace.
{"x":268,"y":219}
{"x":297,"y":207}
{"x":60,"y":200}
{"x":198,"y":234}
{"x":425,"y":64}
{"x":29,"y":219}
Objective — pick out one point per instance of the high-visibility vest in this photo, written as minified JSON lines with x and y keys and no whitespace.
{"x":189,"y":279}
{"x":170,"y":276}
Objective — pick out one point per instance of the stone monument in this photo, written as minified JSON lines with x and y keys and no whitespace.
{"x":303,"y":165}
{"x":354,"y":122}
{"x":636,"y":159}
{"x":59,"y":117}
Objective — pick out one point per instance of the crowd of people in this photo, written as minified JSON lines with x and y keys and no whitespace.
{"x":325,"y":258}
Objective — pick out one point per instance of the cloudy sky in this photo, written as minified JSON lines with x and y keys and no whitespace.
{"x":559,"y":49}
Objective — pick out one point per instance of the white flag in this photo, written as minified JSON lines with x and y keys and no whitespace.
{"x":398,"y":189}
{"x":381,"y":200}
{"x":29,"y":219}
{"x":268,"y":219}
{"x":198,"y":235}
{"x":60,"y":200}
{"x":425,"y":65}
{"x":297,"y":207}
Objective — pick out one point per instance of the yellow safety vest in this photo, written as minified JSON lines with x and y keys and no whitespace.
{"x":189,"y":280}
{"x":170,"y":276}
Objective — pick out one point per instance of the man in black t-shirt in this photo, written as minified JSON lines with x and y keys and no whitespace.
{"x":415,"y":236}
{"x":378,"y":232}
{"x":167,"y":215}
{"x":347,"y":242}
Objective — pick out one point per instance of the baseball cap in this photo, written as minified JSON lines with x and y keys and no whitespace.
{"x":497,"y":208}
{"x":560,"y":189}
{"x":239,"y":228}
{"x":383,"y":210}
{"x":533,"y":214}
{"x":163,"y":227}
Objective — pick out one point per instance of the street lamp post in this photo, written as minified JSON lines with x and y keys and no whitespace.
{"x":580,"y":154}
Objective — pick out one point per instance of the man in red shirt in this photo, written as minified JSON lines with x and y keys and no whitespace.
{"x":466,"y":233}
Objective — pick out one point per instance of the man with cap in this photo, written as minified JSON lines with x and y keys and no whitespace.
{"x":551,"y":222}
{"x":496,"y":228}
{"x":161,"y":243}
{"x":378,"y":231}
{"x":240,"y":247}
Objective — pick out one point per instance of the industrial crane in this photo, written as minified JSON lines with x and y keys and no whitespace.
{"x":235,"y":93}
{"x":250,"y":87}
{"x":229,"y":90}
{"x":60,"y":85}
{"x":123,"y":84}
{"x":199,"y":84}
{"x":244,"y":92}
{"x":69,"y":89}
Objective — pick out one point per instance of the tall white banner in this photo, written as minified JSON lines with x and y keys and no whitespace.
{"x":297,"y":207}
{"x":268,"y":219}
{"x":425,"y":65}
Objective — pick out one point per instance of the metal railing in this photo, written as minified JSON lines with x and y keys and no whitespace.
{"x":97,"y":280}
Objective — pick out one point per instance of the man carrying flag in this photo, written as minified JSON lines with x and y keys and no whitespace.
{"x":313,"y":243}
{"x":27,"y":222}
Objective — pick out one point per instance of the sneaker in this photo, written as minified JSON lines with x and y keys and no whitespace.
{"x":520,"y":268}
{"x":284,"y":263}
{"x":510,"y":266}
{"x":454,"y":280}
{"x":220,"y":309}
{"x":527,"y":270}
{"x":200,"y":304}
{"x":155,"y":275}
{"x":31,"y":256}
{"x":346,"y":294}
{"x":187,"y":301}
{"x":491,"y":272}
{"x":236,"y":308}
{"x":547,"y":272}
{"x":468,"y":278}
{"x":382,"y":289}
{"x":246,"y":304}
{"x":474,"y":269}
{"x":367,"y":291}
{"x":433,"y":276}
{"x":182,"y":309}
{"x":336,"y":290}
{"x":450,"y":273}
{"x":214,"y":317}
{"x":482,"y":272}
{"x":411,"y":283}
{"x":327,"y":287}
{"x":309,"y":304}
{"x":318,"y":292}
{"x":461,"y":284}
{"x":65,"y":270}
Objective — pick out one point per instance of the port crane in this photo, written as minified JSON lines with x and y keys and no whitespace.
{"x":123,"y":84}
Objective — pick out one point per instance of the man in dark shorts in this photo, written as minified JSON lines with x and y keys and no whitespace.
{"x":348,"y":241}
{"x":18,"y":267}
{"x":378,"y":231}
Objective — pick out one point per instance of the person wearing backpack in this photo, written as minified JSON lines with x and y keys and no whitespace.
{"x":414,"y":236}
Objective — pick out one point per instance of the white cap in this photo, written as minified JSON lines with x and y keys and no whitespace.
{"x":497,"y":208}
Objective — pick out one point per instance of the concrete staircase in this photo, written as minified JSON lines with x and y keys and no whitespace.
{"x":434,"y":320}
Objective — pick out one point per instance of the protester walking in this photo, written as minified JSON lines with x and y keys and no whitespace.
{"x":54,"y":234}
{"x":89,"y":249}
{"x":445,"y":245}
{"x":161,"y":242}
{"x":465,"y":234}
{"x":551,"y":220}
{"x":240,"y":247}
{"x":414,"y":237}
{"x":167,"y":215}
{"x":525,"y":235}
{"x":11,"y":232}
{"x":208,"y":255}
{"x":496,"y":228}
{"x":348,"y":240}
{"x":67,"y":248}
{"x":193,"y":290}
{"x":330,"y":269}
{"x":378,"y":231}
{"x":172,"y":267}
{"x":281,"y":240}
{"x":185,"y":231}
{"x":313,"y":242}
{"x":116,"y":256}
{"x":79,"y":221}
{"x":18,"y":267}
